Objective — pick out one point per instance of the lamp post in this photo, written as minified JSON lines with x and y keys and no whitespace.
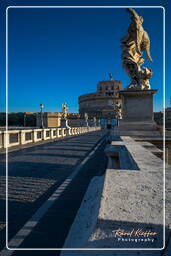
{"x":41,"y":113}
{"x":24,"y":119}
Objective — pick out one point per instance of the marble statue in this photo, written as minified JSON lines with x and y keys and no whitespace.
{"x":85,"y":116}
{"x":64,"y":109}
{"x":118,"y":110}
{"x":133,"y":45}
{"x":86,"y":119}
{"x":110,"y":75}
{"x":94,"y":120}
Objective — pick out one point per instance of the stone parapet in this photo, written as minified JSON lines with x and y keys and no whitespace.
{"x":12,"y":138}
{"x":129,"y":197}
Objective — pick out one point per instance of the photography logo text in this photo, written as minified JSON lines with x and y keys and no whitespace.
{"x":134,"y":235}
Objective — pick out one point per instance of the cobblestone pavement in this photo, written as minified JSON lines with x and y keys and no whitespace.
{"x":34,"y":173}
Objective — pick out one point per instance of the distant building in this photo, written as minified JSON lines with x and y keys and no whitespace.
{"x":53,"y":119}
{"x":50,"y":119}
{"x":168,"y":117}
{"x":101,"y":104}
{"x":158,"y":117}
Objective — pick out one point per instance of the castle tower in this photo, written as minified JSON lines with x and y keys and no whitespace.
{"x":101,"y":104}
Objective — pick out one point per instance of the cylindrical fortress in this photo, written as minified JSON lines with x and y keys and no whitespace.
{"x":101,"y":104}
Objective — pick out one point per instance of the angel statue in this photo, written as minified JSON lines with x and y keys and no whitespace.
{"x":110,"y":75}
{"x":133,"y":45}
{"x":85,"y":116}
{"x":94,"y":120}
{"x":118,"y":110}
{"x":64,"y":109}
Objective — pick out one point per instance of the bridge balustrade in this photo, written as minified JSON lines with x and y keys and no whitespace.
{"x":12,"y":138}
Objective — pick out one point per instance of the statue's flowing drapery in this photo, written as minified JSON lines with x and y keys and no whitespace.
{"x":133,"y":45}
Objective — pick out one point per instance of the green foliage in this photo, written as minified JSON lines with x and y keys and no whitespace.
{"x":18,"y":119}
{"x":2,"y":119}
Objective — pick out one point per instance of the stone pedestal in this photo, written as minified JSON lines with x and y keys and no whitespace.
{"x":64,"y":123}
{"x":137,"y":105}
{"x":86,"y":123}
{"x":137,"y":110}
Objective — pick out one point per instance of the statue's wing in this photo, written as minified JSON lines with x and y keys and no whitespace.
{"x":146,"y":42}
{"x":138,"y":33}
{"x":148,"y":54}
{"x":133,"y":13}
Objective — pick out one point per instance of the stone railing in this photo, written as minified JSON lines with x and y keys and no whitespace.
{"x":12,"y":138}
{"x":128,"y":196}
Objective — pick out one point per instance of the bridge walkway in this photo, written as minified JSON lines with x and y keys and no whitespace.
{"x":34,"y":174}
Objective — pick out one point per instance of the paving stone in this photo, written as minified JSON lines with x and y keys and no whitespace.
{"x":35,"y":172}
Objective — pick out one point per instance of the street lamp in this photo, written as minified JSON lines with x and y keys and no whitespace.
{"x":41,"y":111}
{"x":24,"y":119}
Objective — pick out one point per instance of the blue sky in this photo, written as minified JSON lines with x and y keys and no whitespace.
{"x":55,"y":54}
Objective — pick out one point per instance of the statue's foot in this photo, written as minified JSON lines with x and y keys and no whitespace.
{"x":132,"y":87}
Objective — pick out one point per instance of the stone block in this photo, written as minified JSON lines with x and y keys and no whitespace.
{"x":137,"y":105}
